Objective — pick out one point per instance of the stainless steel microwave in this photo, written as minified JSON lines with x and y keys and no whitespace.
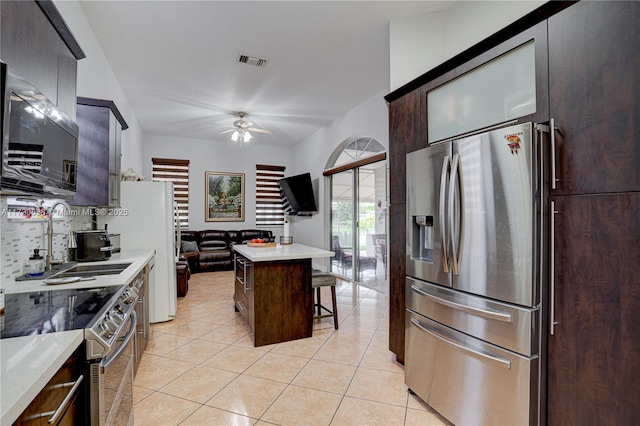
{"x":39,"y":142}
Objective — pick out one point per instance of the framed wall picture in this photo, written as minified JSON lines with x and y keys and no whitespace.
{"x":224,"y":197}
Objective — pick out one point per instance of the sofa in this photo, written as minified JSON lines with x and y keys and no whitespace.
{"x":212,"y":250}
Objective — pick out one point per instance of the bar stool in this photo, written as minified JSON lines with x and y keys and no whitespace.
{"x":321,"y":279}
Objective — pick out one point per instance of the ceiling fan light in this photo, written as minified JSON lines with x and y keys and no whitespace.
{"x":247,"y":136}
{"x":234,"y":136}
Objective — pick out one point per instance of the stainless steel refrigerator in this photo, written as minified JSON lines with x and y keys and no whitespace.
{"x":475,"y":260}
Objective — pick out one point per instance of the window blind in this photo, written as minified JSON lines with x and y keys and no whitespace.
{"x":269,"y":208}
{"x":176,"y":171}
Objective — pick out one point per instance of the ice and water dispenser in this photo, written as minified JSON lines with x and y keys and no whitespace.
{"x":422,"y":238}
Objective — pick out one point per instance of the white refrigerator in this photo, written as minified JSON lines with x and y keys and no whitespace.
{"x":146,"y":221}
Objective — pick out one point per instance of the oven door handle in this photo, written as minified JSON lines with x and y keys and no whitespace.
{"x":125,"y":341}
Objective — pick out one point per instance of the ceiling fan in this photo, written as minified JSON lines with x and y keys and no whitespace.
{"x":242,"y":129}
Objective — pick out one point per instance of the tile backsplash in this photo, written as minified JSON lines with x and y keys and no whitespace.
{"x":18,"y":238}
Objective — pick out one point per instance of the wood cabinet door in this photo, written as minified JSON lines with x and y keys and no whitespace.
{"x":594,"y":81}
{"x":67,"y":77}
{"x":594,"y":352}
{"x":406,"y":125}
{"x":52,"y":396}
{"x":397,"y":272}
{"x":30,"y":45}
{"x":92,"y":170}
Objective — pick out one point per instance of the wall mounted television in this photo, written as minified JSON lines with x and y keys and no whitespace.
{"x":297,"y":195}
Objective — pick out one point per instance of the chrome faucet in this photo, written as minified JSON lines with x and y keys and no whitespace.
{"x":50,"y":261}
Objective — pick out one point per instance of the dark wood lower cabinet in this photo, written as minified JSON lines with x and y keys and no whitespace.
{"x":275,"y":299}
{"x":41,"y":410}
{"x":594,"y":352}
{"x":397,"y":274}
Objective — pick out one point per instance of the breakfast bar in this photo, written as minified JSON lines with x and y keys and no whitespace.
{"x":273,"y":290}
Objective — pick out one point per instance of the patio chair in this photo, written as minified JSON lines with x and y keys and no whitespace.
{"x":345,"y":260}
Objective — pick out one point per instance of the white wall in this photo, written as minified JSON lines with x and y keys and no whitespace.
{"x":221,"y":155}
{"x":420,"y":43}
{"x":97,"y":80}
{"x":371,"y":118}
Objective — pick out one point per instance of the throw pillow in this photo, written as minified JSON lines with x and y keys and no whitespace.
{"x":187,"y":246}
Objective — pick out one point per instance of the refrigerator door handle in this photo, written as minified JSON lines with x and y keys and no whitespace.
{"x":493,"y":358}
{"x":446,"y":166}
{"x":452,"y":226}
{"x":486,"y":313}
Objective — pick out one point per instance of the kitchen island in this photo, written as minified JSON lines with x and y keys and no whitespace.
{"x":273,"y":290}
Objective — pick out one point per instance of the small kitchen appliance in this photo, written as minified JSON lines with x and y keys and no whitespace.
{"x":93,"y":246}
{"x":115,"y":242}
{"x":39,"y":141}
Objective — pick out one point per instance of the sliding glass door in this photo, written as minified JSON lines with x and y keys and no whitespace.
{"x":358,"y":224}
{"x":342,"y":224}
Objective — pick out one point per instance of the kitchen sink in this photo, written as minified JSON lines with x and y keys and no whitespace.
{"x":92,"y":270}
{"x":78,"y":270}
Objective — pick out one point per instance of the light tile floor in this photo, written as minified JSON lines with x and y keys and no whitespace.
{"x":202,"y":369}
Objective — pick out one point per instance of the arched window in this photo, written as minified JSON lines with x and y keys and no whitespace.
{"x":354,"y":150}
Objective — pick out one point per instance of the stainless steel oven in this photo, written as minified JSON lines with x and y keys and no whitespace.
{"x":110,"y":354}
{"x":111,"y":380}
{"x":108,"y":320}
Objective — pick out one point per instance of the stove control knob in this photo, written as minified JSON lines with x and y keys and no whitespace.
{"x":125,"y":298}
{"x":128,"y":296}
{"x":134,"y":292}
{"x":114,"y":317}
{"x":108,"y":328}
{"x":103,"y":332}
{"x":119,"y":309}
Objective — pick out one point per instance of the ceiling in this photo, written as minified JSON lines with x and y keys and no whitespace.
{"x":177,"y":61}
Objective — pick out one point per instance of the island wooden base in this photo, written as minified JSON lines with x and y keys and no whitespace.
{"x":275,"y":298}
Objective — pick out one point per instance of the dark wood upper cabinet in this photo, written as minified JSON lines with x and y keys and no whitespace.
{"x":594,"y":74}
{"x":37,"y":45}
{"x":30,"y":46}
{"x":407,"y":119}
{"x":594,"y":353}
{"x":100,"y":126}
{"x":536,"y":34}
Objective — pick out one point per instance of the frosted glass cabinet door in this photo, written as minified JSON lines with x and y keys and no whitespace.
{"x":498,"y":91}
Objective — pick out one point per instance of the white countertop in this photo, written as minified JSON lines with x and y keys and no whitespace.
{"x":281,"y":252}
{"x":137,"y":258}
{"x":27,"y":363}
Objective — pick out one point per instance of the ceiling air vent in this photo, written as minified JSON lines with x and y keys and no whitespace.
{"x":252,"y":60}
